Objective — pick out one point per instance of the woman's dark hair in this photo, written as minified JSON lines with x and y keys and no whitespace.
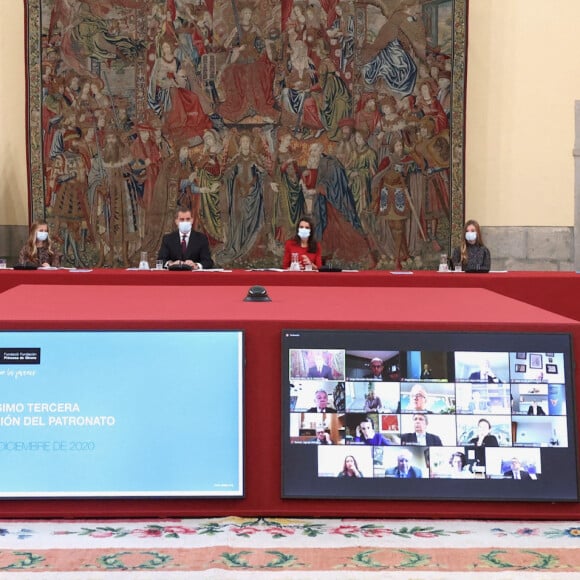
{"x":485,"y":421}
{"x":461,"y":457}
{"x":368,"y":419}
{"x":312,"y":243}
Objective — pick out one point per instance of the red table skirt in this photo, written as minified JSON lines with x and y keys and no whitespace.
{"x":366,"y":301}
{"x":554,"y":291}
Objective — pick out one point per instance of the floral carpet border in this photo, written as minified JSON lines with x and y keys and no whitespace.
{"x":283,"y":545}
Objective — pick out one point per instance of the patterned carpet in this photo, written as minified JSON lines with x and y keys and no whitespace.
{"x":288,"y":549}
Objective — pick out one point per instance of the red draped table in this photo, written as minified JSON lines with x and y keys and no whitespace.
{"x":163,"y":300}
{"x":555,"y":291}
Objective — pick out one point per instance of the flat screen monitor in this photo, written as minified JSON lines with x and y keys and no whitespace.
{"x":428,"y":416}
{"x":121,"y":414}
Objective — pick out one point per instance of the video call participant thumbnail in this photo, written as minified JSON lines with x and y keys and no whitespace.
{"x":319,"y":370}
{"x":377,"y":367}
{"x":482,"y":367}
{"x":365,"y":433}
{"x":484,"y":436}
{"x":372,"y":402}
{"x":449,"y":462}
{"x":420,"y":436}
{"x":404,"y":469}
{"x":350,"y":468}
{"x":322,"y":436}
{"x":516,"y":471}
{"x":485,"y":373}
{"x":418,"y":400}
{"x":322,"y":406}
{"x":426,"y":372}
{"x":484,"y":439}
{"x":458,"y":466}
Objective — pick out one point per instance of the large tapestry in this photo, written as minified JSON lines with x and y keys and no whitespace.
{"x":252,"y":113}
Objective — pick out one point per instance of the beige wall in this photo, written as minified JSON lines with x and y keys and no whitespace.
{"x":523,"y":78}
{"x":520,"y":112}
{"x":13,"y":186}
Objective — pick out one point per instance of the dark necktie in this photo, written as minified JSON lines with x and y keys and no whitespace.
{"x":183,"y":246}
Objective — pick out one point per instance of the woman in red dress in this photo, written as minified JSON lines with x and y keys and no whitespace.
{"x":305,"y":245}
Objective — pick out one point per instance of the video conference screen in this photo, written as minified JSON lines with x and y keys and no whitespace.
{"x":121,"y":414}
{"x":420,"y":415}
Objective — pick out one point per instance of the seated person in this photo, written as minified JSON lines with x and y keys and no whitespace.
{"x":365,"y":433}
{"x":426,"y":373}
{"x":476,"y":404}
{"x":320,"y":370}
{"x":38,"y":249}
{"x":418,"y":400}
{"x":472,"y":255}
{"x":377,"y":367}
{"x":185,"y":246}
{"x":305,"y":245}
{"x":350,"y":468}
{"x":321,"y":398}
{"x":484,"y":437}
{"x":404,"y":469}
{"x":372,"y":402}
{"x":322,"y":436}
{"x":485,"y":373}
{"x":458,"y":466}
{"x":516,"y":472}
{"x":420,"y":436}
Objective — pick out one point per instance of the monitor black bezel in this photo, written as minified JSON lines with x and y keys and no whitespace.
{"x":305,"y":484}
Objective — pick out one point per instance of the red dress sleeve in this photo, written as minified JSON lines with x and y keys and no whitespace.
{"x":317,"y":260}
{"x":293,"y":247}
{"x":287,"y":254}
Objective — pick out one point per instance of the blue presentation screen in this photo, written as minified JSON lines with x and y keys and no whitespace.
{"x":121,"y":414}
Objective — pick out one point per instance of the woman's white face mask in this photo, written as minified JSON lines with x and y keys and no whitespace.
{"x":471,"y":236}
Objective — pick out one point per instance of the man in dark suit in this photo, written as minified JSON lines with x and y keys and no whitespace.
{"x":320,"y":370}
{"x":321,"y":398}
{"x":485,"y":373}
{"x":324,"y":372}
{"x":377,"y":367}
{"x":322,"y":436}
{"x":516,"y":472}
{"x":420,"y":436}
{"x":185,"y":246}
{"x":404,"y":469}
